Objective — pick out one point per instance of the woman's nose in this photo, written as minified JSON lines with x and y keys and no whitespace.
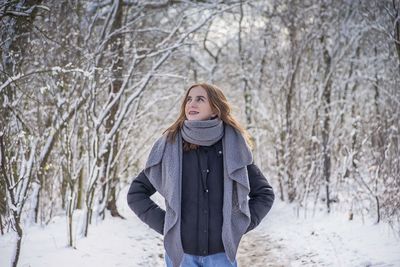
{"x":193,"y":104}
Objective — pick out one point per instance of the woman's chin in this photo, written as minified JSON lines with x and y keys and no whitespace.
{"x":193,"y":118}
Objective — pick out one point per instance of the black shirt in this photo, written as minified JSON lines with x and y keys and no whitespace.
{"x":202,"y":200}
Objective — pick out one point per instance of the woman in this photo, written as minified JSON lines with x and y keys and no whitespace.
{"x":214,"y":193}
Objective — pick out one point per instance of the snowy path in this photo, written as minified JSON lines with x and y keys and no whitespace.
{"x":257,"y":249}
{"x":281,"y":239}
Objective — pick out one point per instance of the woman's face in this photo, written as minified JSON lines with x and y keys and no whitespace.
{"x":197,"y":105}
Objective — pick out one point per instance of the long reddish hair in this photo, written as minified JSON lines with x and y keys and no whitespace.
{"x":219,"y":105}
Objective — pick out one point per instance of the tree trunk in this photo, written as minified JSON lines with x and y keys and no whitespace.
{"x":79,"y":201}
{"x":89,"y":211}
{"x":280,"y":178}
{"x":108,"y":177}
{"x":326,"y":125}
{"x":246,"y":88}
{"x":1,"y":226}
{"x":19,"y":241}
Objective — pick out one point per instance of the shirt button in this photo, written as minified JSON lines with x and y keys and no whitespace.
{"x":207,"y":170}
{"x":205,"y":231}
{"x":205,"y":211}
{"x":220,"y":152}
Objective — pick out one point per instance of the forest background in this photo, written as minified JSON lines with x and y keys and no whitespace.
{"x":86,"y":87}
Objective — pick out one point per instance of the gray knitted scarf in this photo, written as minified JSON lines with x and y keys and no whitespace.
{"x":164,"y":171}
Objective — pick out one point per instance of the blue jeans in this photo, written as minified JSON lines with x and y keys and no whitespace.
{"x":214,"y":260}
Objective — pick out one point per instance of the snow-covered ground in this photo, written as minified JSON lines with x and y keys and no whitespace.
{"x":282,"y":239}
{"x":322,"y":240}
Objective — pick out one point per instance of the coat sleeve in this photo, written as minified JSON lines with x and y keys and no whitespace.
{"x":261,"y":196}
{"x":146,"y":209}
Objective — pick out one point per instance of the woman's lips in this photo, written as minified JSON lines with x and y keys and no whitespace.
{"x":193,"y":112}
